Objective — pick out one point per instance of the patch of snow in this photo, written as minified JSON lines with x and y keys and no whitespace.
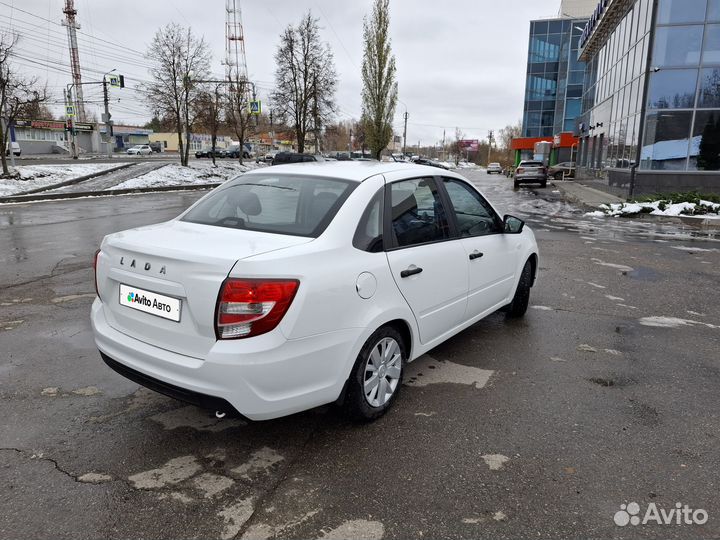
{"x":672,"y":322}
{"x":704,"y":209}
{"x":197,"y":173}
{"x":29,"y":177}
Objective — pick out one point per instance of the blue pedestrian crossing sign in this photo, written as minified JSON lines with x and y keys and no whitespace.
{"x":255,"y":107}
{"x":69,"y":110}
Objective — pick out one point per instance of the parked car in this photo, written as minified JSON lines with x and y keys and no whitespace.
{"x":208,"y":153}
{"x":494,"y":168}
{"x":279,"y":291}
{"x":284,"y":158}
{"x":530,"y":172}
{"x":562,"y":170}
{"x":16,"y":150}
{"x":267,"y":158}
{"x":139,"y":150}
{"x":157,"y":147}
{"x":234,"y":152}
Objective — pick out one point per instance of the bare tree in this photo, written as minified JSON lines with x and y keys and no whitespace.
{"x":19,"y":96}
{"x":305,"y":79}
{"x":379,"y":93}
{"x":179,"y":60}
{"x":506,"y":135}
{"x":210,"y":114}
{"x":238,"y":113}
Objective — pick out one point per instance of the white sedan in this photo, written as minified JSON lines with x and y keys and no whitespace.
{"x":300,"y":285}
{"x":139,"y":150}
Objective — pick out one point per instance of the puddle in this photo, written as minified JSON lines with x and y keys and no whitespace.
{"x":643,"y":273}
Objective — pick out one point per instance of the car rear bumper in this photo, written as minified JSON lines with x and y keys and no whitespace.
{"x":521,"y":178}
{"x":263,"y":377}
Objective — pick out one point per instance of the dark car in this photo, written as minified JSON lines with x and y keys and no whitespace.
{"x":156,"y":147}
{"x":208,"y":152}
{"x":531,"y":172}
{"x":284,"y":158}
{"x":562,"y":170}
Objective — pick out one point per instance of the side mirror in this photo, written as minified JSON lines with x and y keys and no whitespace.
{"x":512,"y":225}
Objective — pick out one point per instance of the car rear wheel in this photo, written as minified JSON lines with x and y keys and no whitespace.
{"x":377,"y":375}
{"x":516,"y":184}
{"x":558,"y":176}
{"x":520,"y":301}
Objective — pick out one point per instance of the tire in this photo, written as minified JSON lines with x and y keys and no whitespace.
{"x":367,"y":407}
{"x":520,"y":301}
{"x":558,"y":176}
{"x":516,"y":184}
{"x":543,"y":184}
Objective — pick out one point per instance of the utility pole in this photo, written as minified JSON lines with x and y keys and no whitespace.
{"x":490,"y":141}
{"x":405,"y":133}
{"x":350,"y":141}
{"x":443,"y":146}
{"x":106,"y":118}
{"x":315,"y":114}
{"x":70,"y":123}
{"x":72,"y":25}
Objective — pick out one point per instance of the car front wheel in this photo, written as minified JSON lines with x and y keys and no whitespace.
{"x":377,"y":375}
{"x":520,"y":301}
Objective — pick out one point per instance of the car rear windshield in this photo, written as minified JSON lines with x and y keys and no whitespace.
{"x":532,"y":164}
{"x":281,"y":203}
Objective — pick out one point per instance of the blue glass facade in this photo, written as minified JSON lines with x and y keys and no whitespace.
{"x":555,"y":77}
{"x":667,"y":115}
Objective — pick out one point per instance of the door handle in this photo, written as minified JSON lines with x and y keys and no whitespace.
{"x":411,"y":271}
{"x":475,"y":255}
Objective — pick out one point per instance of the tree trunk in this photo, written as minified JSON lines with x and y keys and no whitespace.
{"x":181,"y":146}
{"x":300,"y":141}
{"x":3,"y":135}
{"x":213,"y":141}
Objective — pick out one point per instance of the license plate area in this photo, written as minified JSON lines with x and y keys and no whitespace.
{"x":165,"y":307}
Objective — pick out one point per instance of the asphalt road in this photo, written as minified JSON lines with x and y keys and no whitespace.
{"x":538,"y":428}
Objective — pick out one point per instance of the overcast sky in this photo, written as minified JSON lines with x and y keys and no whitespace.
{"x":460,"y":63}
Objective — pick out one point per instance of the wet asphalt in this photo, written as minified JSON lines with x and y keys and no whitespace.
{"x":532,"y":428}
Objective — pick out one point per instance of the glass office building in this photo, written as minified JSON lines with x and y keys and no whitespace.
{"x":554,"y":84}
{"x":651,"y":106}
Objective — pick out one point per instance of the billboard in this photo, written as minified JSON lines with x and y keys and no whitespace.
{"x":469,"y":145}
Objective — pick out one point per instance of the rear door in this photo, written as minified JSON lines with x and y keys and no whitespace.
{"x":491,"y":256}
{"x":428,"y":262}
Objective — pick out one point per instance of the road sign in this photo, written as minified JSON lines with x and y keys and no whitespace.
{"x":117,"y":81}
{"x":69,"y":110}
{"x":255,"y":107}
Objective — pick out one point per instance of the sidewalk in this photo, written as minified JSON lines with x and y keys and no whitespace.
{"x":585,"y":196}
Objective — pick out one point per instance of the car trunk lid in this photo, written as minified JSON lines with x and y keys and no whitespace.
{"x":183,"y":262}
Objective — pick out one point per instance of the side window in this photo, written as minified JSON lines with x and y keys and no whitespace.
{"x":417,"y":213}
{"x":369,"y":233}
{"x":474,"y":216}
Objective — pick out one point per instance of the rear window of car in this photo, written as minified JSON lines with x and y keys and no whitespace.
{"x":531,"y":164}
{"x":282,"y":204}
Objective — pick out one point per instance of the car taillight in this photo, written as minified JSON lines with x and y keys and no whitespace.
{"x":95,"y":263}
{"x":520,"y":170}
{"x":250,"y":307}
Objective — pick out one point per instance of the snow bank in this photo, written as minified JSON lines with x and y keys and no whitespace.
{"x":29,"y":177}
{"x":196,"y":173}
{"x":705,"y":209}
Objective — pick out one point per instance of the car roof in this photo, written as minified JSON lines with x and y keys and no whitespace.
{"x":355,"y":171}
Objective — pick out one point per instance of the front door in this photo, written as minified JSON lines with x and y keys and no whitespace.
{"x":492,"y":256}
{"x":427,"y":263}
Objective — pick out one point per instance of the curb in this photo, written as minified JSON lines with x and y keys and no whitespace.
{"x":77,"y":180}
{"x":109,"y":193}
{"x":579,"y":201}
